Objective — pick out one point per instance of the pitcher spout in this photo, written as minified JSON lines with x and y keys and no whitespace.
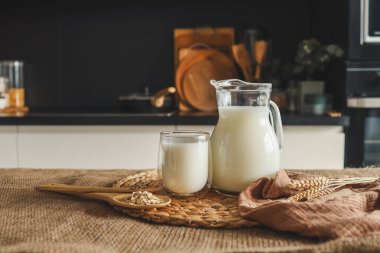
{"x":227,"y":83}
{"x":236,"y":84}
{"x":214,"y":83}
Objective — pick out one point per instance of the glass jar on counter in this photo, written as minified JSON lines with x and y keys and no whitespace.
{"x":3,"y":94}
{"x":12,"y":74}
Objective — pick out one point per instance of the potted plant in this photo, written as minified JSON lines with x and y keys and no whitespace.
{"x":311,"y":58}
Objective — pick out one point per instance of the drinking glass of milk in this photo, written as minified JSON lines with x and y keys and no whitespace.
{"x":185,"y":163}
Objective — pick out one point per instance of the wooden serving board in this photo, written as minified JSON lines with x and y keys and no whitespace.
{"x":188,"y":40}
{"x":194,"y":73}
{"x":197,"y":90}
{"x":221,"y":38}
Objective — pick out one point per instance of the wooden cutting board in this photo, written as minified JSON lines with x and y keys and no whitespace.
{"x":187,"y":39}
{"x":192,"y":57}
{"x":221,"y":38}
{"x":194,"y":74}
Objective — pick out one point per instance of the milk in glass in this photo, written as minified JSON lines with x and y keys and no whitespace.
{"x":185,"y":166}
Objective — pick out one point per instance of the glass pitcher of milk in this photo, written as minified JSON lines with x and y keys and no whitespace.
{"x":247,"y":139}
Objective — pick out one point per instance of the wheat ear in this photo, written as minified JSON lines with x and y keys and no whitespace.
{"x":312,"y":188}
{"x":303,"y":195}
{"x":307,"y":183}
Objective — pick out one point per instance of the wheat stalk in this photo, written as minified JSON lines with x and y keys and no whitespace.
{"x":304,"y":195}
{"x":315,"y":187}
{"x":307,"y":183}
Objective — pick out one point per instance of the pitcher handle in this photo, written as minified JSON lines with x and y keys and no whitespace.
{"x":275,"y":117}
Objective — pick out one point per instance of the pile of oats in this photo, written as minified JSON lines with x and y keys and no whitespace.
{"x":143,"y":198}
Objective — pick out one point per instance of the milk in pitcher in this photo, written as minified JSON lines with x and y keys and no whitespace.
{"x":244,"y":147}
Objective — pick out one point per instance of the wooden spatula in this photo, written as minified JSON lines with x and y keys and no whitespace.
{"x":241,"y":57}
{"x":261,"y":48}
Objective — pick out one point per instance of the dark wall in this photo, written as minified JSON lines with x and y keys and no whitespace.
{"x":329,"y":23}
{"x":83,"y":54}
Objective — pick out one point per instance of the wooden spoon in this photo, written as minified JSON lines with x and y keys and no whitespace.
{"x":241,"y":57}
{"x":86,"y":189}
{"x":261,"y":48}
{"x":113,"y":198}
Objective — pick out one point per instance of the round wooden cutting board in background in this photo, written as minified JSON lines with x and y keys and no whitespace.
{"x":194,"y":74}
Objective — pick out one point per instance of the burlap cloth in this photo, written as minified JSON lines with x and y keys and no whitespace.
{"x":33,"y":221}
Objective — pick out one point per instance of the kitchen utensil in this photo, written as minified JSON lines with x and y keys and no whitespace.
{"x":247,"y":139}
{"x":112,"y":198}
{"x":261,"y":48}
{"x":182,"y":54}
{"x":194,"y":73}
{"x":87,"y":189}
{"x":220,"y":38}
{"x":162,"y":101}
{"x":192,"y":57}
{"x":250,"y":36}
{"x":241,"y":57}
{"x":158,"y":100}
{"x":193,"y":86}
{"x":195,"y":83}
